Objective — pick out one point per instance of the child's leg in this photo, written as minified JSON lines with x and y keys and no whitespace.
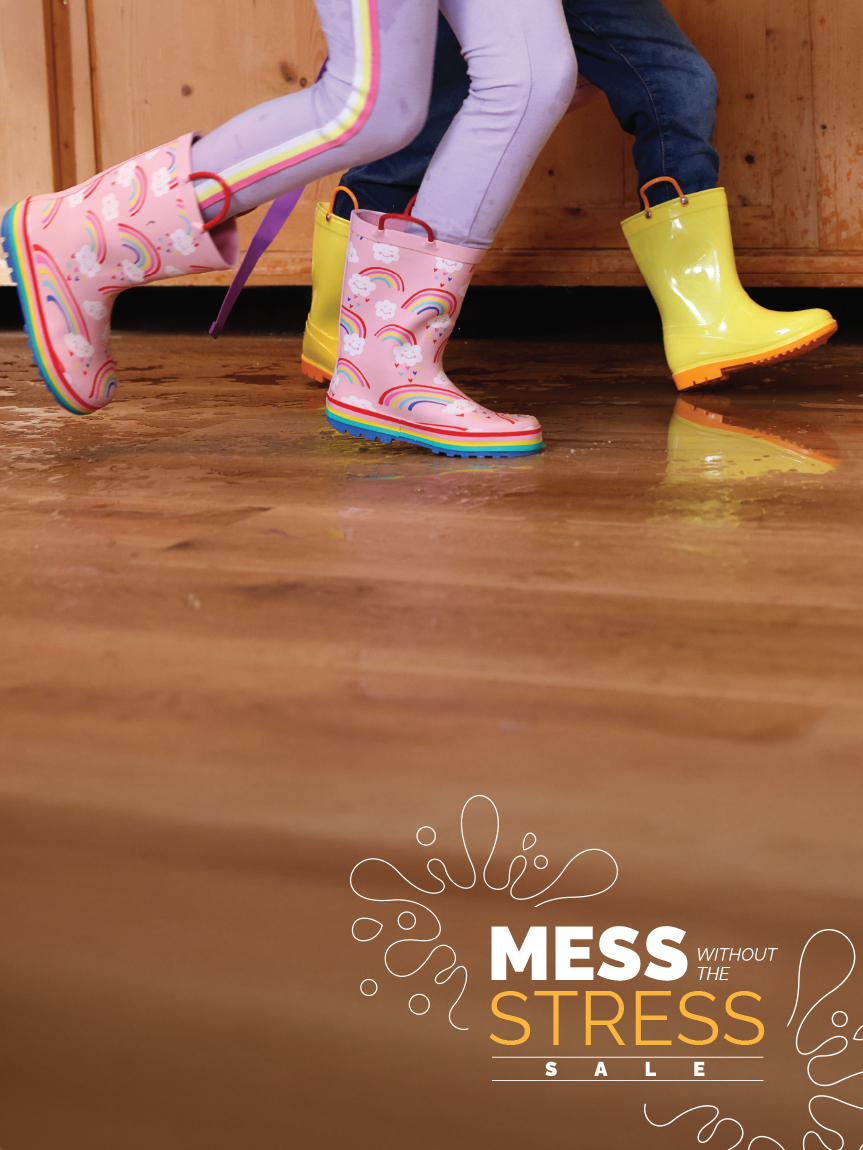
{"x":388,"y":184}
{"x":523,"y":75}
{"x":661,"y":89}
{"x":371,"y":101}
{"x":400,"y":305}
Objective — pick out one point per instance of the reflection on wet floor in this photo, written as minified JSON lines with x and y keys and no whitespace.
{"x":716,"y":437}
{"x":730,"y":462}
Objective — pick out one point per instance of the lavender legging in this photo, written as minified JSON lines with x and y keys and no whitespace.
{"x":373,"y":100}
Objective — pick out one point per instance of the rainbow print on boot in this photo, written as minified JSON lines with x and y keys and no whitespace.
{"x":389,"y":383}
{"x":71,"y":254}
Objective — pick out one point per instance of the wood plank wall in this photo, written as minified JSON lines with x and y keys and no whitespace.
{"x":86,"y":84}
{"x":26,"y":122}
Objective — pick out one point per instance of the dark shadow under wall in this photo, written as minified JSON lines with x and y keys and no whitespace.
{"x":579,"y":314}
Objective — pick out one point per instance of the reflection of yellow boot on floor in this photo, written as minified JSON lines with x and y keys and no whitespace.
{"x":712,"y":441}
{"x":329,"y":248}
{"x":710,"y":325}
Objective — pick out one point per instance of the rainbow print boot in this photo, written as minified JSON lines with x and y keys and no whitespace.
{"x":401,"y":295}
{"x":73,"y":252}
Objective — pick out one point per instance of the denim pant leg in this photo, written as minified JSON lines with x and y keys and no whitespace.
{"x":659,"y":87}
{"x":388,"y":185}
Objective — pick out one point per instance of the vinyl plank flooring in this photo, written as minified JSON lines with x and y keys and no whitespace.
{"x":241,"y":652}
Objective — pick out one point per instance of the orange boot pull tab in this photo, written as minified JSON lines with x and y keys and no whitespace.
{"x":348,"y":192}
{"x":406,"y":215}
{"x":648,"y":214}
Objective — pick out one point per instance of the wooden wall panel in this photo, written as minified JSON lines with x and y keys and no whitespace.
{"x":790,"y":138}
{"x":790,"y":116}
{"x":150,"y":88}
{"x":789,"y":126}
{"x":26,"y":155}
{"x":837,"y":35}
{"x":761,"y":54}
{"x":80,"y":94}
{"x":67,"y":43}
{"x":26,"y":163}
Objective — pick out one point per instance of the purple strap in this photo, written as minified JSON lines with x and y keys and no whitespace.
{"x":270,"y":227}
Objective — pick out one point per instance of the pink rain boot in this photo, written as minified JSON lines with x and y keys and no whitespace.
{"x":72,"y":253}
{"x":401,"y":295}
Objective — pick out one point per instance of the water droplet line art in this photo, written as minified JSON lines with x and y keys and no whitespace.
{"x":415,"y":1004}
{"x":366,"y":937}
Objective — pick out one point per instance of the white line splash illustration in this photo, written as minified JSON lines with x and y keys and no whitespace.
{"x":438,"y":871}
{"x":841,"y":1039}
{"x":839,"y":1043}
{"x":710,"y":1122}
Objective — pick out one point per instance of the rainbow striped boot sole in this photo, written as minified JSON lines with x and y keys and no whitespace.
{"x":384,"y":429}
{"x":20,"y":260}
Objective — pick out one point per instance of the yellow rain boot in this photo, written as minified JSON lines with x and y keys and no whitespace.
{"x":329,"y":249}
{"x":710,"y":325}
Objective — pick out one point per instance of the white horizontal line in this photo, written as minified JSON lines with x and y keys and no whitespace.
{"x":636,"y":1057}
{"x":554,"y":1078}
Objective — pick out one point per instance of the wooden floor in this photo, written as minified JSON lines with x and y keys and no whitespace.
{"x":241,"y":653}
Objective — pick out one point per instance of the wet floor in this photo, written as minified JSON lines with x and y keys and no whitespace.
{"x":242,"y":652}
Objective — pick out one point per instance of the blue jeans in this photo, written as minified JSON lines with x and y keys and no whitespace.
{"x":660,"y":88}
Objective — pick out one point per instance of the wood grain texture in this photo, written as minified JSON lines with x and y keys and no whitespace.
{"x":86,"y":164}
{"x":837,"y":36}
{"x":67,"y":47}
{"x":241,"y":653}
{"x":26,"y":140}
{"x":26,"y":159}
{"x":155,"y":88}
{"x":58,"y":53}
{"x":608,"y":267}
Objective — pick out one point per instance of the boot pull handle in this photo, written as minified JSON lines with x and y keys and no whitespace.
{"x":225,"y":190}
{"x":660,"y":180}
{"x":406,"y":215}
{"x":347,"y":191}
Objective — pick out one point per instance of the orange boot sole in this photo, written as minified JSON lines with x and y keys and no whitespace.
{"x":314,"y":372}
{"x":712,"y":372}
